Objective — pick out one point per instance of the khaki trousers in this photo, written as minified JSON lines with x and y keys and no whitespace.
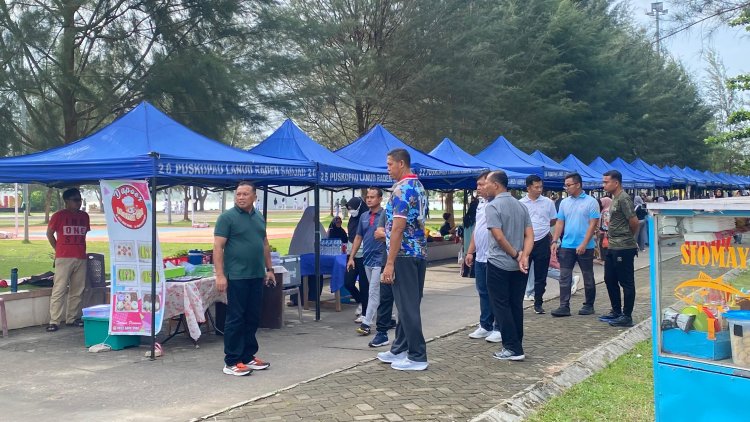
{"x":70,"y":277}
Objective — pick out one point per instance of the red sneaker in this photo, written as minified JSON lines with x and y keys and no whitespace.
{"x":258,"y":364}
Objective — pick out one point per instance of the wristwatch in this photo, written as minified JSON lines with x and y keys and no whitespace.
{"x":270,"y":270}
{"x":518,"y":252}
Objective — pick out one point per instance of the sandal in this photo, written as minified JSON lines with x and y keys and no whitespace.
{"x":52,"y":328}
{"x":76,"y":323}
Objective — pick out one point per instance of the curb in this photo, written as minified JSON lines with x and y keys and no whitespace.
{"x":527,"y":402}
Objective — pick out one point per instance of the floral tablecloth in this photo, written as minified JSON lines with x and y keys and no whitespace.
{"x":192,"y":298}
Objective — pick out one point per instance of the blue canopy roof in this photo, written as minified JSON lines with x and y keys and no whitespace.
{"x":629,"y":180}
{"x":589,"y":182}
{"x":699,"y":179}
{"x":678,"y":176}
{"x":146,"y":142}
{"x":289,"y":141}
{"x":371,"y":149}
{"x":657,"y":172}
{"x":572,"y":162}
{"x":718,"y":181}
{"x":620,"y":164}
{"x":451,"y":153}
{"x":503,"y":154}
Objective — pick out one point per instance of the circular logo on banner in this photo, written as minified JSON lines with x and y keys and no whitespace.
{"x":129,"y":207}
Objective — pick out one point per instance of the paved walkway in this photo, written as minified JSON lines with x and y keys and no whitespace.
{"x":463,"y":379}
{"x":43,"y":375}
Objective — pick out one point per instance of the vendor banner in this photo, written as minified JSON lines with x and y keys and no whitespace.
{"x":127,"y":208}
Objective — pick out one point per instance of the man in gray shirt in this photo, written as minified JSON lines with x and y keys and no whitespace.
{"x":511,"y":242}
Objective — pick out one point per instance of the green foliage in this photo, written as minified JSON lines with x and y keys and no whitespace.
{"x":560,"y":75}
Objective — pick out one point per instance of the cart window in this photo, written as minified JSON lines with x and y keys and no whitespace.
{"x":702,"y":273}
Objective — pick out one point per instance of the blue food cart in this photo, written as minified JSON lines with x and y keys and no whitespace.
{"x":700,"y":285}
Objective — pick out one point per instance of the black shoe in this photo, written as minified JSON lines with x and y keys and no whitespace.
{"x":76,"y":323}
{"x":586,"y":310}
{"x":622,"y":321}
{"x":562,"y":311}
{"x":52,"y":328}
{"x":610,"y":316}
{"x":538,"y":309}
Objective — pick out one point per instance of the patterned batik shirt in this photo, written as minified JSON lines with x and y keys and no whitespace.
{"x":408,"y":201}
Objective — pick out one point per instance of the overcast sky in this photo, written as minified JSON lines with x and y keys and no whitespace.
{"x":732,"y":44}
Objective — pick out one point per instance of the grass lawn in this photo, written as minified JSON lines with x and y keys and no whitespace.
{"x":623,"y":391}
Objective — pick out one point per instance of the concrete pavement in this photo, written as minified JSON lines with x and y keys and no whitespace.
{"x":44,"y":376}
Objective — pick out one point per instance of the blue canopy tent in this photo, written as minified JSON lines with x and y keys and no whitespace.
{"x":677,"y":175}
{"x":699,"y":182}
{"x":657,"y":172}
{"x":503,"y":154}
{"x":717,"y":180}
{"x":629,"y":180}
{"x":451,"y":153}
{"x":371,"y":150}
{"x":572,"y":162}
{"x":147,"y":144}
{"x":621,"y":164}
{"x":734,"y":179}
{"x":709,"y":181}
{"x":589,"y":182}
{"x":290,"y":142}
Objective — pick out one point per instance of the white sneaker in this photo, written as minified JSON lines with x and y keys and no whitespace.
{"x":359,"y":319}
{"x":389,"y":357}
{"x":528,"y":298}
{"x":574,"y":287}
{"x":409,"y":365}
{"x":358,"y":312}
{"x":494,"y":337}
{"x":479,"y":333}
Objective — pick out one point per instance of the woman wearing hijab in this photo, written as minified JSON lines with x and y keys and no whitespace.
{"x":335,"y":231}
{"x":641,"y":212}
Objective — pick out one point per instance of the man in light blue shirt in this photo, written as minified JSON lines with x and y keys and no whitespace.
{"x":577,"y":217}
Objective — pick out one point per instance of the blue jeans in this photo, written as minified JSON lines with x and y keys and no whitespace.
{"x":642,"y":235}
{"x":486,"y":317}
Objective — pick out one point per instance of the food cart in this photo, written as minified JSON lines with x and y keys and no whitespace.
{"x":700,"y":284}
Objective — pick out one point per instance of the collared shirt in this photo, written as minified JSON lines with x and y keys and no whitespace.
{"x":373,"y":249}
{"x":507,"y":214}
{"x":243,"y":253}
{"x":620,"y":212}
{"x":542,"y":211}
{"x":481,"y":234}
{"x":408,"y":200}
{"x":576,"y":212}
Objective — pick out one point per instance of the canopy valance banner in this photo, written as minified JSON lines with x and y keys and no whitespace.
{"x":128,"y":213}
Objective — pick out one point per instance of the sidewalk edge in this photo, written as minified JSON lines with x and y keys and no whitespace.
{"x":527,"y":402}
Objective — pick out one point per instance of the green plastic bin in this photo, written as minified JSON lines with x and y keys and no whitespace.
{"x":95,"y":331}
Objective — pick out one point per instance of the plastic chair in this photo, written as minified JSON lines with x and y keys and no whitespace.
{"x":292,"y":290}
{"x":97,"y":291}
{"x":3,"y":319}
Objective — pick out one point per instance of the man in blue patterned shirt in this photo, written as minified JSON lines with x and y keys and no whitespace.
{"x":405,"y":266}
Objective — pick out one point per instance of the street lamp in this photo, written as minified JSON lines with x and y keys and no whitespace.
{"x":656,"y":10}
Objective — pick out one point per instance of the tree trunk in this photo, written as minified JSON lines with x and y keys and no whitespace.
{"x":186,"y":210}
{"x":47,"y":201}
{"x":449,"y":207}
{"x":331,"y":203}
{"x":98,"y":192}
{"x":201,"y":194}
{"x":67,"y":63}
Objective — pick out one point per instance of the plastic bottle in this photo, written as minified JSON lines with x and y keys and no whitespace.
{"x":14,"y":280}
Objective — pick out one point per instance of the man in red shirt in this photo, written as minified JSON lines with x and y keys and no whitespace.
{"x":67,"y":234}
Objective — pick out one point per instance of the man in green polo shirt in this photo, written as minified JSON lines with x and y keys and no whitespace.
{"x":240,"y":249}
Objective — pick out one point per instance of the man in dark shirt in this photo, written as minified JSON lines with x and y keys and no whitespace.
{"x":240,"y":249}
{"x":618,"y":263}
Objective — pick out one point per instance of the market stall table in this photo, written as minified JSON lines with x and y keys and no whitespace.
{"x":333,"y":265}
{"x":192,"y":299}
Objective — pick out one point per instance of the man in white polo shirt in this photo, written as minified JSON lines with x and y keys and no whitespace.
{"x":543,"y":215}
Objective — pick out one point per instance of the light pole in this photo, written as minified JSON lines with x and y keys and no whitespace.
{"x":656,"y":10}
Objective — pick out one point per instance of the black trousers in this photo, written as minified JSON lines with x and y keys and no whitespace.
{"x":244,"y":301}
{"x":539,"y":258}
{"x":350,"y":282}
{"x":506,"y":289}
{"x":385,"y":308}
{"x":408,"y":289}
{"x":619,"y":271}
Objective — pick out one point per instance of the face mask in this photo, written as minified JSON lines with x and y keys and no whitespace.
{"x":353,"y":213}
